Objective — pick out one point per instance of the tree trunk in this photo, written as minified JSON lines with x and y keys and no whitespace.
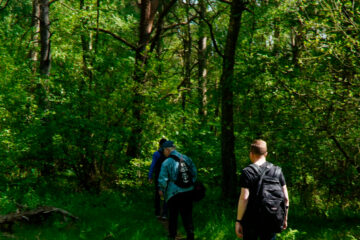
{"x":227,"y":102}
{"x":86,"y":46}
{"x":276,"y":47}
{"x":187,"y":41}
{"x":35,"y":24}
{"x":148,"y":10}
{"x":46,"y":154}
{"x":45,"y":53}
{"x":86,"y":168}
{"x":97,"y":26}
{"x":202,"y":55}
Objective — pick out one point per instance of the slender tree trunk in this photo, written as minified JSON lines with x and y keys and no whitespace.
{"x":202,"y":55}
{"x":217,"y":106}
{"x":45,"y":53}
{"x":86,"y":168}
{"x":297,"y":42}
{"x":35,"y":24}
{"x":276,"y":47}
{"x":46,"y":154}
{"x":97,"y":26}
{"x":187,"y":41}
{"x":86,"y":47}
{"x":227,"y":103}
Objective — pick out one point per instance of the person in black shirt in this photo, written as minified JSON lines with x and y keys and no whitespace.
{"x":247,"y":225}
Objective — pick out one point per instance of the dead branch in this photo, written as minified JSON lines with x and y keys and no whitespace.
{"x":32,"y":216}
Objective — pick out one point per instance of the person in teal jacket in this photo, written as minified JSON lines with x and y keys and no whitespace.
{"x":179,"y":199}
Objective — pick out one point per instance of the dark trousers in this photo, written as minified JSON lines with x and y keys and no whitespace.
{"x":181,"y":203}
{"x":158,"y":203}
{"x":254,"y":234}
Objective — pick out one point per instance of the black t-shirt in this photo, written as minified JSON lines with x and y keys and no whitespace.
{"x":249,"y":179}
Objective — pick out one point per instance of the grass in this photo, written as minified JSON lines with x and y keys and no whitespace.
{"x":129,"y":215}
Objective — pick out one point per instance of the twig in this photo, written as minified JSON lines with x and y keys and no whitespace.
{"x":132,"y":46}
{"x":247,"y":9}
{"x":211,"y":33}
{"x":178,"y":91}
{"x":52,"y":1}
{"x":73,"y":9}
{"x":158,"y":24}
{"x":225,"y":1}
{"x":6,"y":3}
{"x":179,"y":24}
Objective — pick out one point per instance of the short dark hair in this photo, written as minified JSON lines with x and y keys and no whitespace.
{"x":162,"y":141}
{"x":258,"y":147}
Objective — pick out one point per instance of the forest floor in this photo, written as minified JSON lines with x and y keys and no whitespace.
{"x":129,"y":215}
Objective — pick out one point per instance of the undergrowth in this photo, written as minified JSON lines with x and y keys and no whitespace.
{"x":129,"y":215}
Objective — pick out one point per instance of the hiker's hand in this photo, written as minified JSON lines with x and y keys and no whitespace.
{"x":161,"y":195}
{"x":150,"y":180}
{"x":285,"y":224}
{"x":238,"y":230}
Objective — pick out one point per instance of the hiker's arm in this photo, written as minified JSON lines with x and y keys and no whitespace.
{"x":155,"y":157}
{"x":287,"y":202}
{"x":243,"y":201}
{"x":163,"y":178}
{"x":194,"y":171}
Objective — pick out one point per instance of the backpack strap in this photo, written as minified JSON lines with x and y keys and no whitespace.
{"x":278,"y":172}
{"x":255,"y":168}
{"x":176,"y":158}
{"x":267,"y":169}
{"x":258,"y":170}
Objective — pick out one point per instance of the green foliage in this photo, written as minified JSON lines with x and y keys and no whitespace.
{"x":296,"y":85}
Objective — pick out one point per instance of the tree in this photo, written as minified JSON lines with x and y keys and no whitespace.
{"x":148,"y":11}
{"x":45,"y":52}
{"x":202,"y":56}
{"x":35,"y":24}
{"x":227,"y":102}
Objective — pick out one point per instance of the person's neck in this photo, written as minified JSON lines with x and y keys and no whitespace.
{"x":259,"y":161}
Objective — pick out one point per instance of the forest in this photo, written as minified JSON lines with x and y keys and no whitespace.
{"x":89,"y":87}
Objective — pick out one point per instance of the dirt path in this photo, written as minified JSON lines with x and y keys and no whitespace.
{"x":165,"y":224}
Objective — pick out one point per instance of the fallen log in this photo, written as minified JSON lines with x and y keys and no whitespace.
{"x":32,"y":216}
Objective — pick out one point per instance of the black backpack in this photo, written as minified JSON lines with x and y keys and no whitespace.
{"x":184,"y":175}
{"x":270,"y":199}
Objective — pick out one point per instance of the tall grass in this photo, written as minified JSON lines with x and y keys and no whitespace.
{"x":129,"y":215}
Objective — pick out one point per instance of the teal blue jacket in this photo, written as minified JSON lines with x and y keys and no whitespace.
{"x":168,"y":175}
